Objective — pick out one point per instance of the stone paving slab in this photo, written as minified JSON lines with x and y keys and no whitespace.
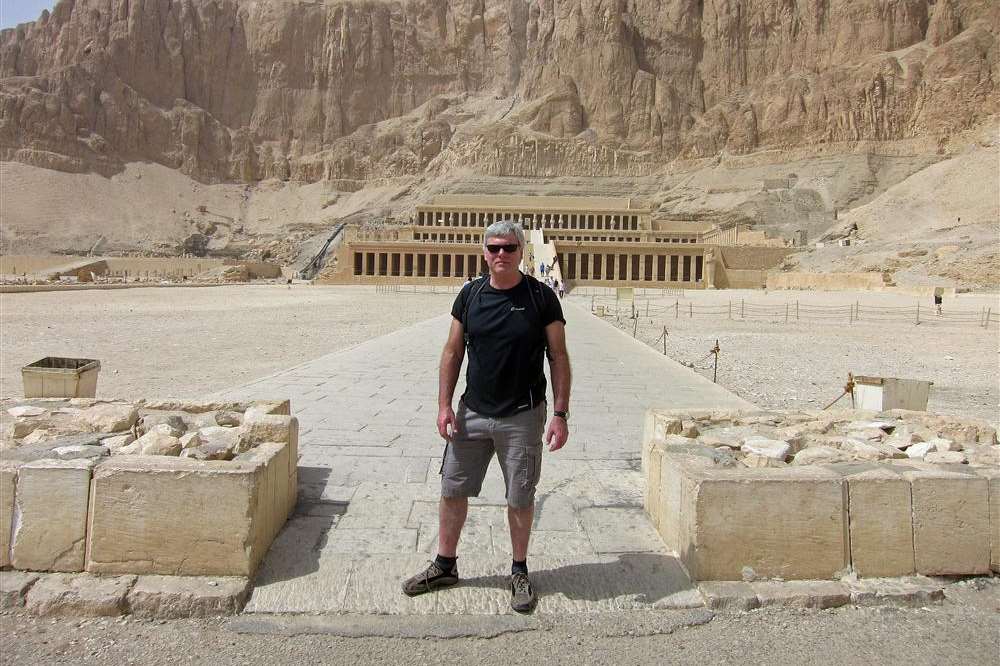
{"x":368,"y":484}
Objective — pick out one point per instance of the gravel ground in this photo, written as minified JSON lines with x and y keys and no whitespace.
{"x":187,"y":342}
{"x":804,"y":363}
{"x":966,"y":631}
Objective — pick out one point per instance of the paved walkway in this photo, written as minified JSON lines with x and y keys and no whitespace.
{"x":368,"y":484}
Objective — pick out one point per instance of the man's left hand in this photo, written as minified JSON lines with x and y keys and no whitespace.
{"x":557,"y":433}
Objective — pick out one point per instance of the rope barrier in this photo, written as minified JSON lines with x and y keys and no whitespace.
{"x":789,"y":311}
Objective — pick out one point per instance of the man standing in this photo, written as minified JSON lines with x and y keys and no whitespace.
{"x":509,"y":324}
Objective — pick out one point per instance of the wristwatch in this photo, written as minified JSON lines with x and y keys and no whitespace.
{"x":563,"y":414}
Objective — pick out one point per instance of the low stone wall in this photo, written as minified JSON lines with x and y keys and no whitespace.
{"x":731,"y":278}
{"x":826,"y":281}
{"x":172,"y":488}
{"x":817,"y":495}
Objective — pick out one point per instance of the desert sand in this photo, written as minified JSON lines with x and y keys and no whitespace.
{"x":804,"y":363}
{"x":189,"y":342}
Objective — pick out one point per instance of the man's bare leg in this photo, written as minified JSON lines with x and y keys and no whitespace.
{"x":520,"y":530}
{"x":451,"y":519}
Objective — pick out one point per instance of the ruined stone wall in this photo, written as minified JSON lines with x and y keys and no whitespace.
{"x":826,"y":281}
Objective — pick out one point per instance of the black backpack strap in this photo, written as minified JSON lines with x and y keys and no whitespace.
{"x":477,"y":286}
{"x":537,"y":301}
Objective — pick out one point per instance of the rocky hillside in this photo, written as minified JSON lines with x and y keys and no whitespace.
{"x":241,"y":90}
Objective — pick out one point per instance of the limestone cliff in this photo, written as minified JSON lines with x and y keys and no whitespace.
{"x":243,"y":90}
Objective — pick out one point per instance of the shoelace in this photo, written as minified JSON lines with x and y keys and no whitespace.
{"x":521,"y":584}
{"x":433,"y":571}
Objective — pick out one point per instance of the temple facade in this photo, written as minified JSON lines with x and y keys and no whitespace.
{"x":594,"y":241}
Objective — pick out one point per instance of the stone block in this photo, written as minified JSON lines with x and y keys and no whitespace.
{"x":51,"y":504}
{"x":14,"y":586}
{"x":8,"y":480}
{"x":880,"y":523}
{"x":258,"y":428}
{"x":169,"y":597}
{"x":951,"y":524}
{"x":176,"y":516}
{"x":651,"y":466}
{"x":802,"y":593}
{"x":992,"y":476}
{"x":729,"y":596}
{"x":666,"y":512}
{"x":789,"y":523}
{"x":108,"y":417}
{"x":79,"y":594}
{"x":913,"y":592}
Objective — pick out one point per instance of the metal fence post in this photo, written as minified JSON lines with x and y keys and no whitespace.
{"x":715,"y":370}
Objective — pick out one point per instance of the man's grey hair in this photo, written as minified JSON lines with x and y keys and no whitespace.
{"x":504,"y":228}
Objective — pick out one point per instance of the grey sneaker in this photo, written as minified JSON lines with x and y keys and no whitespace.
{"x":522,"y":596}
{"x":430,"y":579}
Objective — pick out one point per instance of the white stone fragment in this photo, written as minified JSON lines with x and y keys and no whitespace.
{"x":25,"y":410}
{"x":945,"y":457}
{"x":919,"y":450}
{"x":117,"y":442}
{"x":816,"y":455}
{"x":36,"y":436}
{"x":108,"y":417}
{"x":158,"y":443}
{"x":866,"y":425}
{"x":218,"y":436}
{"x":190,"y":440}
{"x":769,"y":448}
{"x":941,"y":444}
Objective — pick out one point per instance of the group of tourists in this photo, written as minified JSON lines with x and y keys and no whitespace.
{"x":550,"y":281}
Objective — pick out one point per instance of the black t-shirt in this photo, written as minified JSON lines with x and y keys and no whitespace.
{"x":505,"y":332}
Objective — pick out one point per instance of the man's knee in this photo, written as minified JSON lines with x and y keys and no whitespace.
{"x":454,"y":502}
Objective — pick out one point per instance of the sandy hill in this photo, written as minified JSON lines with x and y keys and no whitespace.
{"x":941,"y":222}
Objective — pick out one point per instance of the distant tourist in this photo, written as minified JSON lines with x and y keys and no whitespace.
{"x":541,"y":268}
{"x":938,"y":298}
{"x":509,"y":324}
{"x":561,"y":288}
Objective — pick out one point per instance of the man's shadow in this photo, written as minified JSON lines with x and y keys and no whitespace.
{"x":641,"y":577}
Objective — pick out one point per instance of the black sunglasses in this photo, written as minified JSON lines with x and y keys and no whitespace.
{"x":509,"y":248}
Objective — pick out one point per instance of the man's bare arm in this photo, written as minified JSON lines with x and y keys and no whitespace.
{"x":451,"y":365}
{"x":559,"y":368}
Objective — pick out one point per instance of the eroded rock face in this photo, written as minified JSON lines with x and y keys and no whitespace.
{"x":240,"y":91}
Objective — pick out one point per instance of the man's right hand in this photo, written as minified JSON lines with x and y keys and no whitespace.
{"x":447,"y":423}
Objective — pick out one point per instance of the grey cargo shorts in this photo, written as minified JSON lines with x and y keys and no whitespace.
{"x":517,"y":442}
